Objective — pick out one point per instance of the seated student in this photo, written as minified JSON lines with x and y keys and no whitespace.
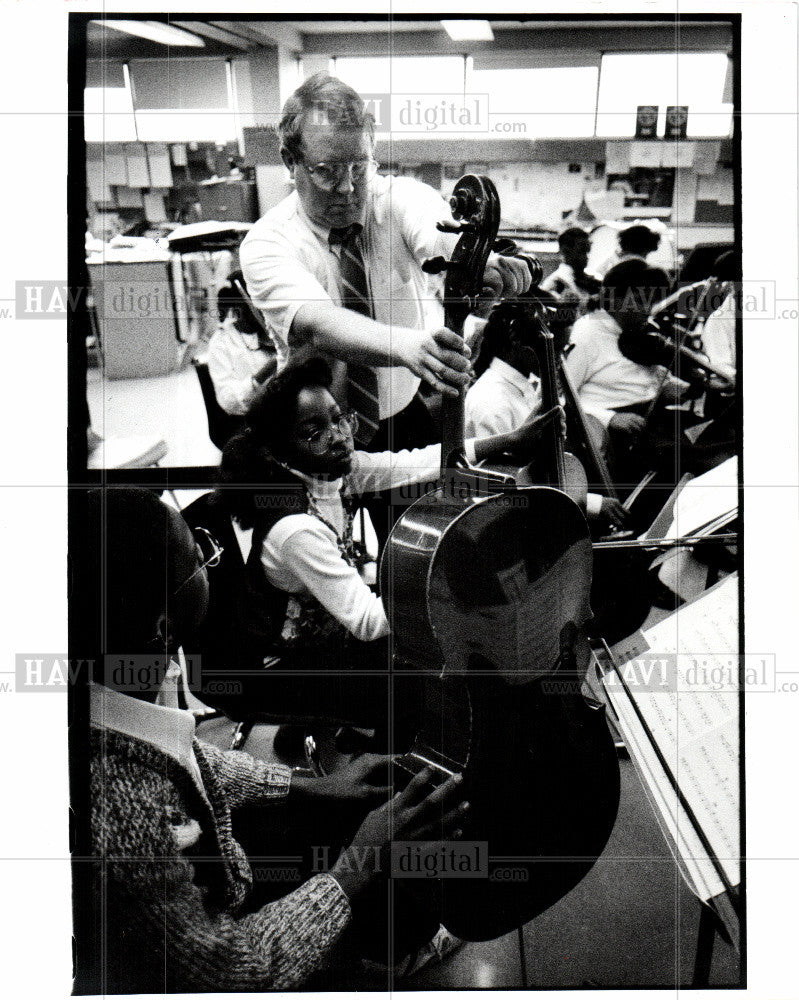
{"x":718,"y":331}
{"x":569,"y":283}
{"x":299,"y":441}
{"x":240,"y":355}
{"x":637,"y":243}
{"x":168,"y":883}
{"x":616,"y":391}
{"x":634,"y":243}
{"x":508,"y":391}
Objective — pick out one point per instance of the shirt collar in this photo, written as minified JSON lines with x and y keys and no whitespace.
{"x":509,"y":374}
{"x":320,"y":232}
{"x":250,"y":340}
{"x":170,"y":730}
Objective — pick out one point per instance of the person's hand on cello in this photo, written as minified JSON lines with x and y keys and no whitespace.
{"x":527,"y":436}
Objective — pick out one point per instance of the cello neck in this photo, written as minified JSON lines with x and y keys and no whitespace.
{"x":453,"y":416}
{"x":550,"y":398}
{"x":475,"y":207}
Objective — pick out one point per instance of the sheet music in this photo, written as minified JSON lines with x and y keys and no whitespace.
{"x":683,"y":675}
{"x":705,"y":499}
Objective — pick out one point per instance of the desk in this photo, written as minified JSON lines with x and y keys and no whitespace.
{"x":136,"y":317}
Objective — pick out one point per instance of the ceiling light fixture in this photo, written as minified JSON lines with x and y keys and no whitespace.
{"x":155,"y":31}
{"x":468,"y":31}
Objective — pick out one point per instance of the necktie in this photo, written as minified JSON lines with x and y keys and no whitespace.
{"x":361,"y":381}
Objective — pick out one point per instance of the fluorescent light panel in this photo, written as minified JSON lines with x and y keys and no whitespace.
{"x":468,"y":31}
{"x":155,"y":31}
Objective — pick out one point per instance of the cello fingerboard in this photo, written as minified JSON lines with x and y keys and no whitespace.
{"x":443,"y":740}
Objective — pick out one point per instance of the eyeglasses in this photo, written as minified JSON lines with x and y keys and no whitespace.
{"x":328,"y":176}
{"x":209,"y":553}
{"x":319,"y":442}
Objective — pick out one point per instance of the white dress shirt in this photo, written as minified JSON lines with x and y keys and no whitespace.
{"x":718,"y":336}
{"x":287,"y":262}
{"x":604,"y":379}
{"x":234,"y":359}
{"x":562,"y":280}
{"x":301,"y":555}
{"x":501,"y":400}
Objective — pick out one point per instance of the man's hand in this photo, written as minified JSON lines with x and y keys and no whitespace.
{"x":612,"y":511}
{"x":417,"y":813}
{"x":506,"y":277}
{"x":631,"y":424}
{"x":440,"y":358}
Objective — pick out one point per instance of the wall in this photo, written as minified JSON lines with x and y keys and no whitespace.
{"x":537,"y":194}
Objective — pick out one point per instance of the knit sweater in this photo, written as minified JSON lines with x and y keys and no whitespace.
{"x":171,"y":879}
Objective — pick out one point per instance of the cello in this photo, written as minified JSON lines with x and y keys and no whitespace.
{"x":486,"y":586}
{"x":621,"y":593}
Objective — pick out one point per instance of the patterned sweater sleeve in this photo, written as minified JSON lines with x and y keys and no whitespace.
{"x":246,"y":781}
{"x":276,"y":948}
{"x":167,"y":928}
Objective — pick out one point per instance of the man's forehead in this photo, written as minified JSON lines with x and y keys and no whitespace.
{"x":323,"y":139}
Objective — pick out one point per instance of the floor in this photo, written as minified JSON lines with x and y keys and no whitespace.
{"x":168,"y":406}
{"x":631,"y":922}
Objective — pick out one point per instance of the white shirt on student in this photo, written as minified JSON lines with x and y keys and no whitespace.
{"x":718,"y":336}
{"x":562,"y":280}
{"x":234,"y":359}
{"x":287,"y":261}
{"x":604,"y":379}
{"x":501,"y":400}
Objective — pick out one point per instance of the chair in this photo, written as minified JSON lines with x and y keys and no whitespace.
{"x":221,"y":425}
{"x":699,"y":262}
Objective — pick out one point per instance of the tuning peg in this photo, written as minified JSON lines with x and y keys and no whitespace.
{"x":449,"y":227}
{"x":436,"y":265}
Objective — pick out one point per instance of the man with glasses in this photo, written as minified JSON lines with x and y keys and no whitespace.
{"x":336,"y":269}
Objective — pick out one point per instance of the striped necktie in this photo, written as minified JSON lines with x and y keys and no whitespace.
{"x":361,"y":381}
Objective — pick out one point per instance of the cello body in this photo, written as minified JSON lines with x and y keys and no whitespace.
{"x":488,"y":597}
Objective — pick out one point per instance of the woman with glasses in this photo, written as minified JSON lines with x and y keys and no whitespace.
{"x":294,"y":476}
